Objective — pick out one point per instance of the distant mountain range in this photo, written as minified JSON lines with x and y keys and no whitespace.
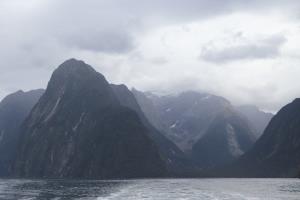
{"x":183,"y":117}
{"x":81,"y":126}
{"x":208,"y":128}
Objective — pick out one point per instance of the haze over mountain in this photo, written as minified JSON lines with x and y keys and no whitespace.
{"x":206,"y":127}
{"x":227,"y":138}
{"x":79,"y":129}
{"x":13,"y":110}
{"x":183,"y":117}
{"x":277,"y":152}
{"x":258,"y":118}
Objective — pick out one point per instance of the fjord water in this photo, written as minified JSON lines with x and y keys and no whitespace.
{"x":158,"y":189}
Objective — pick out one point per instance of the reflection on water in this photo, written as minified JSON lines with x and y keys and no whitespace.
{"x":164,"y":189}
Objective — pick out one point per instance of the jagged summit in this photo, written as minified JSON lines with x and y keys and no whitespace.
{"x":77,"y":79}
{"x":73,"y":63}
{"x":75,"y":69}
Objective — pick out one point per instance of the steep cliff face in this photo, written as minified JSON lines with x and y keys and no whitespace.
{"x":13,"y":110}
{"x":79,"y":128}
{"x":227,"y":138}
{"x":277,"y":152}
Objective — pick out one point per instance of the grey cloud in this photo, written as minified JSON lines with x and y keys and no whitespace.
{"x":34,"y":42}
{"x":110,"y":26}
{"x":261,"y":49}
{"x":159,"y":61}
{"x":108,"y":42}
{"x":266,"y":100}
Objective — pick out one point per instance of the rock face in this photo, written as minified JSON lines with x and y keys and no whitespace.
{"x":13,"y":110}
{"x":259,"y":119}
{"x":277,"y":152}
{"x":177,"y":162}
{"x":79,"y":128}
{"x":227,"y":138}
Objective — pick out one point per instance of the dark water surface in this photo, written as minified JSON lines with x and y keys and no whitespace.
{"x":158,"y":189}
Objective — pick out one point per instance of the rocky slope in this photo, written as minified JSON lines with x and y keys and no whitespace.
{"x":13,"y":110}
{"x":79,"y":129}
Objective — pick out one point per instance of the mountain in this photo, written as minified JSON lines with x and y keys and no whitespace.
{"x":227,"y":138}
{"x":206,"y":127}
{"x":80,"y":129}
{"x":14,"y":108}
{"x":185,"y":117}
{"x":177,"y":162}
{"x":259,"y":119}
{"x":277,"y":152}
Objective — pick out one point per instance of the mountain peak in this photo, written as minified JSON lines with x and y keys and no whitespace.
{"x":74,"y":65}
{"x":80,"y":129}
{"x":74,"y":73}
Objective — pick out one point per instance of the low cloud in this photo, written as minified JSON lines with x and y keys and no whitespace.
{"x":113,"y":42}
{"x":113,"y":36}
{"x":269,"y":47}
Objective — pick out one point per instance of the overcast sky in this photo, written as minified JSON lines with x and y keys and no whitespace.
{"x":246,"y":51}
